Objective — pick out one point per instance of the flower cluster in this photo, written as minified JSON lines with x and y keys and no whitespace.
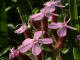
{"x":34,"y":43}
{"x":47,"y":11}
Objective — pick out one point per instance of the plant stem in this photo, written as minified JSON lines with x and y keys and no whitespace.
{"x":73,"y":13}
{"x":20,"y":15}
{"x":74,"y":22}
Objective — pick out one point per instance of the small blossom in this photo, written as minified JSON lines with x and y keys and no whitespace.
{"x":14,"y":53}
{"x":78,"y":37}
{"x":46,"y":11}
{"x":21,"y":29}
{"x":34,"y":43}
{"x":62,"y":27}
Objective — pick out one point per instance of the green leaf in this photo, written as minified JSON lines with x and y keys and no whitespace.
{"x":4,"y":51}
{"x":36,"y":10}
{"x":8,"y":8}
{"x":68,"y":55}
{"x":76,"y":54}
{"x":3,"y":26}
{"x":65,"y":50}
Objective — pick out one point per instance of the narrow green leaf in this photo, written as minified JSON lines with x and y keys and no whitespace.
{"x":65,"y":50}
{"x":4,"y":51}
{"x":3,"y":25}
{"x":76,"y":54}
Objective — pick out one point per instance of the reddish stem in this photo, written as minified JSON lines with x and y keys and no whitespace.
{"x":23,"y":56}
{"x":61,"y":42}
{"x":54,"y":19}
{"x":36,"y":24}
{"x":28,"y":33}
{"x":44,"y":26}
{"x":54,"y":32}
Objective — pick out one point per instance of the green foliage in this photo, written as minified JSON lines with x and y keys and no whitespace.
{"x":3,"y":26}
{"x":76,"y":54}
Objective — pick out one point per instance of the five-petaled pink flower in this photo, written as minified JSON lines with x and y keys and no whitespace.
{"x":21,"y":29}
{"x":34,"y":43}
{"x":14,"y":53}
{"x":62,"y":27}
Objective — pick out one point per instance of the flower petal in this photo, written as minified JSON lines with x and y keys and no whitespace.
{"x":11,"y":56}
{"x":78,"y":37}
{"x":25,"y":48}
{"x":59,"y":0}
{"x":58,"y":5}
{"x":46,"y":41}
{"x":36,"y":50}
{"x":37,"y":34}
{"x":48,"y":4}
{"x":37,"y":16}
{"x":71,"y":27}
{"x":47,"y":11}
{"x":62,"y":32}
{"x":55,"y":14}
{"x":27,"y":41}
{"x":21,"y":29}
{"x":14,"y":53}
{"x":52,"y":9}
{"x":55,"y":25}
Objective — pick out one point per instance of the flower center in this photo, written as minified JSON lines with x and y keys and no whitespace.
{"x":64,"y":24}
{"x":35,"y":40}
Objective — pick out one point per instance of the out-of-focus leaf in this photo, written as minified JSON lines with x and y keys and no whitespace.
{"x":49,"y":58}
{"x":14,"y":0}
{"x":8,"y":8}
{"x":45,"y":48}
{"x":3,"y":26}
{"x":4,"y":51}
{"x":65,"y":50}
{"x":36,"y":10}
{"x":76,"y":54}
{"x":68,"y":55}
{"x":11,"y":25}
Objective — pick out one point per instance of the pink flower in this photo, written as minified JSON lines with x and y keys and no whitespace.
{"x":37,"y":16}
{"x":62,"y":27}
{"x":14,"y":53}
{"x":21,"y":29}
{"x":78,"y":37}
{"x":34,"y":43}
{"x":53,"y":4}
{"x":46,"y":11}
